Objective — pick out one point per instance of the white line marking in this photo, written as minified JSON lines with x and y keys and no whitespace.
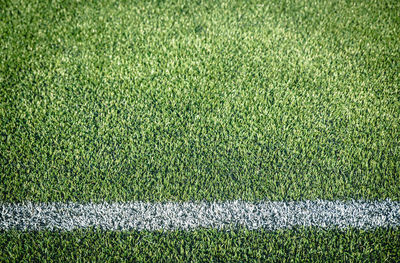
{"x":191,"y":215}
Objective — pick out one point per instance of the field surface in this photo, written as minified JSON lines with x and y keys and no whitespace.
{"x":199,"y":101}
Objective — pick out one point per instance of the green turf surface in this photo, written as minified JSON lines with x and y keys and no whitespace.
{"x":199,"y":100}
{"x":185,"y":100}
{"x":301,"y":245}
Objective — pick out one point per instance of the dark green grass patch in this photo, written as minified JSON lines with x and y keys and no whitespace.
{"x":192,"y":100}
{"x":300,"y":245}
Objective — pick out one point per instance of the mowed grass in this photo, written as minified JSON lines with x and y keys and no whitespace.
{"x":192,"y":100}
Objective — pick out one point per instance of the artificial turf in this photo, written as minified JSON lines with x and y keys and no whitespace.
{"x":193,"y":100}
{"x":199,"y":100}
{"x":298,"y":245}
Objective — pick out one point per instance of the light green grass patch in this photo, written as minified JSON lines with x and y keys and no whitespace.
{"x":182,"y":100}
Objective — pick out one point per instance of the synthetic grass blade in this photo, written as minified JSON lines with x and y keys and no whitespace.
{"x":190,"y":215}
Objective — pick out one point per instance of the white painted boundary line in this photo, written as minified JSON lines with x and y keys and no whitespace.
{"x":190,"y":215}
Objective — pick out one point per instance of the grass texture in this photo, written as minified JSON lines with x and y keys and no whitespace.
{"x":199,"y":100}
{"x":180,"y":101}
{"x":192,"y":100}
{"x":299,"y":245}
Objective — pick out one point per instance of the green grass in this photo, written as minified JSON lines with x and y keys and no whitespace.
{"x":199,"y":100}
{"x":182,"y":100}
{"x":300,"y":245}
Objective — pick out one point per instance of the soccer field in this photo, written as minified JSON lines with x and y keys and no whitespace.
{"x":290,"y":108}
